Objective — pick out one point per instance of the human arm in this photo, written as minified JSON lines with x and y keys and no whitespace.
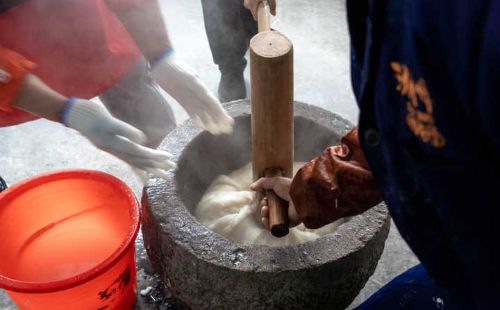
{"x":253,"y":5}
{"x":144,"y":22}
{"x":36,"y":97}
{"x":23,"y":90}
{"x":336,"y":184}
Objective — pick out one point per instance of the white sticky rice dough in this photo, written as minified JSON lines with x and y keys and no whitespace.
{"x":228,"y":208}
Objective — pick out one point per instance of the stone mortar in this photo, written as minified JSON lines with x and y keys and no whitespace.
{"x":207,"y":271}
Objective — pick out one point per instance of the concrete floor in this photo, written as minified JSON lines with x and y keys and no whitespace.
{"x":318,"y":29}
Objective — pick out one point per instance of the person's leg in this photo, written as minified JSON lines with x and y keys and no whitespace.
{"x":413,"y":290}
{"x":136,"y":99}
{"x":228,"y":43}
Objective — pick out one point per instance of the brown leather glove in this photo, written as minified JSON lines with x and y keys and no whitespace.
{"x":336,"y":184}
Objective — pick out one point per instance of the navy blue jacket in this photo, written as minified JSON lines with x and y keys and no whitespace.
{"x":426,"y":75}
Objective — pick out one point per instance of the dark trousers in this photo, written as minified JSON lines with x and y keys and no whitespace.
{"x":413,"y":290}
{"x":229,"y":26}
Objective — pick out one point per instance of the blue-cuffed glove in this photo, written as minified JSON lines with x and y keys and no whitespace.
{"x":182,"y":83}
{"x":114,"y":136}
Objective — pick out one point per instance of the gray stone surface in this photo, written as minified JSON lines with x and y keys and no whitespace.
{"x":318,"y":30}
{"x":207,"y":271}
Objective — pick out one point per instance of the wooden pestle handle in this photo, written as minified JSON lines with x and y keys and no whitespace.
{"x":264,"y":16}
{"x":278,"y":208}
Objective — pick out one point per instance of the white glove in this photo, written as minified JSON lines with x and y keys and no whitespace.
{"x":182,"y":83}
{"x":114,"y":136}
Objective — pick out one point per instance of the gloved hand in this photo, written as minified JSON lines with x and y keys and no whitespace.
{"x":114,"y":136}
{"x":182,"y":83}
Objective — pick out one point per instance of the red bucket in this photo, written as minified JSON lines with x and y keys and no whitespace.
{"x":68,"y":241}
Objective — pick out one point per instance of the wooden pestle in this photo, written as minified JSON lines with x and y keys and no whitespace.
{"x":278,"y":208}
{"x":264,"y":16}
{"x":271,"y":76}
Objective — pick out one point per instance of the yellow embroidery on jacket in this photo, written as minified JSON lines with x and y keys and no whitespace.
{"x":421,"y":123}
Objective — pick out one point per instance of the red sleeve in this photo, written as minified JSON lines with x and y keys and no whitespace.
{"x":122,"y":5}
{"x":13,"y":69}
{"x":336,"y":184}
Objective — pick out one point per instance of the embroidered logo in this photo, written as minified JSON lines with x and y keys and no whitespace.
{"x":420,"y":121}
{"x":4,"y":76}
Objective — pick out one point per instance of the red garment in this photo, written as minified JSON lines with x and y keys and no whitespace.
{"x":80,"y":47}
{"x":336,"y":184}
